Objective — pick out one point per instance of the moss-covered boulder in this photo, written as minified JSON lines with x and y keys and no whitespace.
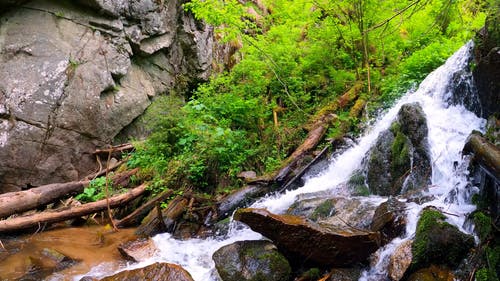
{"x":438,"y":242}
{"x":400,"y":159}
{"x":251,"y":261}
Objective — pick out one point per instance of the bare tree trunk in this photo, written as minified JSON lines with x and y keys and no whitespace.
{"x":39,"y":219}
{"x":135,"y":217}
{"x":20,"y":201}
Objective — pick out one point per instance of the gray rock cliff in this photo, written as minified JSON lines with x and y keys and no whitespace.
{"x":74,"y":75}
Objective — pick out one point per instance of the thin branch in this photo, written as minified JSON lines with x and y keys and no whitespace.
{"x":386,"y":21}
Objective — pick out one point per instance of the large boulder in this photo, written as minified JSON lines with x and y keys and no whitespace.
{"x":400,"y":261}
{"x":304,"y":241}
{"x":251,"y":261}
{"x":72,"y":79}
{"x":438,"y":242}
{"x":487,"y":70}
{"x":154,"y":272}
{"x":400,"y":159}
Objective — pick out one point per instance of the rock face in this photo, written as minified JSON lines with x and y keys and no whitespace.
{"x":154,"y":272}
{"x":400,"y":160}
{"x":303,"y":241}
{"x":487,"y":70}
{"x":72,"y":79}
{"x":251,"y":261}
{"x":438,"y":242}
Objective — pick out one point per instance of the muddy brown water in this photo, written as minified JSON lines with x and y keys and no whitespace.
{"x":89,"y":245}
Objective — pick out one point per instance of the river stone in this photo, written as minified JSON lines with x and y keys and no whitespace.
{"x":389,"y":219}
{"x":400,"y":159}
{"x":344,"y":274}
{"x":304,"y":241}
{"x":438,"y":242}
{"x":251,"y":261}
{"x":138,"y":250}
{"x":154,"y":272}
{"x":400,"y":261}
{"x":73,"y":80}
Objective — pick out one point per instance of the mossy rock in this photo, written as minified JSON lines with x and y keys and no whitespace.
{"x":400,"y":159}
{"x":251,"y":261}
{"x":438,"y":242}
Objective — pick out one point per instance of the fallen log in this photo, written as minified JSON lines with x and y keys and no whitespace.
{"x":39,"y":219}
{"x":485,"y":153}
{"x":21,"y":201}
{"x":136,"y":216}
{"x":317,"y":130}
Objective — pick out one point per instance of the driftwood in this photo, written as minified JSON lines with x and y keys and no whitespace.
{"x":21,"y":201}
{"x":40,"y":219}
{"x":135,"y":217}
{"x":159,"y":220}
{"x":317,"y":130}
{"x":485,"y":153}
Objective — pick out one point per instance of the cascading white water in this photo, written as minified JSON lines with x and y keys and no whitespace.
{"x":448,"y":126}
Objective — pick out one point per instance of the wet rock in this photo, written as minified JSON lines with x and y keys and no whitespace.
{"x":389,"y":219}
{"x":344,"y":274}
{"x":251,"y":261}
{"x":49,"y":261}
{"x":339,"y":212}
{"x":400,"y":159}
{"x":487,"y":70}
{"x":138,"y":250}
{"x":438,"y":242}
{"x":400,"y":261}
{"x":239,"y":198}
{"x":154,"y":272}
{"x":432,"y":273}
{"x":303,"y":241}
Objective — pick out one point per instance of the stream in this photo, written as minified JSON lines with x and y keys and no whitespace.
{"x":449,"y":125}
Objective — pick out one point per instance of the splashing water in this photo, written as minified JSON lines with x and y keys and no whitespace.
{"x":449,"y":126}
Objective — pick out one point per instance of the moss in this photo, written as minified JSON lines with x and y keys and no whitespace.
{"x":483,"y":225}
{"x":438,"y":242}
{"x":325,"y":209}
{"x":400,"y":151}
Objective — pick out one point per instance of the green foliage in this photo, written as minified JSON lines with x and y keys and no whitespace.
{"x":95,"y":191}
{"x":295,"y":57}
{"x":483,"y":225}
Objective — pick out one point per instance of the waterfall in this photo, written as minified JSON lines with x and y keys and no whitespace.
{"x":449,"y":125}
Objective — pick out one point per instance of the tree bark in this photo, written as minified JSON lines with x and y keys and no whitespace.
{"x":20,"y":201}
{"x":485,"y":153}
{"x":163,"y":220}
{"x":317,"y":130}
{"x":38,"y":219}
